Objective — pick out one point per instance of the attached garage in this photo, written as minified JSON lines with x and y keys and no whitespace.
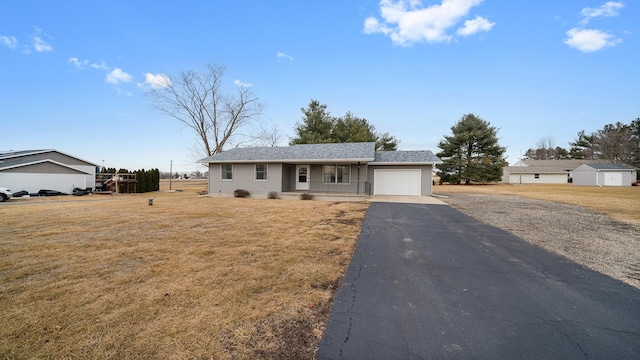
{"x":397,"y":182}
{"x":402,"y":173}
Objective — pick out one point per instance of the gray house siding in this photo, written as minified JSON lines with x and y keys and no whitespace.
{"x":244,"y":178}
{"x":426,"y":176}
{"x":361,"y":158}
{"x":586,"y":177}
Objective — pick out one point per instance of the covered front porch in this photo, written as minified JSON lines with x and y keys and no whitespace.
{"x":334,"y":179}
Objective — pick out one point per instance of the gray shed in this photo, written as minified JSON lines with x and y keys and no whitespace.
{"x":604,"y":175}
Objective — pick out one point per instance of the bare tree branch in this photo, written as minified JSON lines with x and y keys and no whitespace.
{"x":197,"y":100}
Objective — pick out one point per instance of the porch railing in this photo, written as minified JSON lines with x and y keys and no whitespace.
{"x":356,"y":188}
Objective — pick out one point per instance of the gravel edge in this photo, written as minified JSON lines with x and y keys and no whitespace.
{"x":588,"y":238}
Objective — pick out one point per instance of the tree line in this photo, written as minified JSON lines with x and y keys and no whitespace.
{"x":618,"y":143}
{"x":471,"y":154}
{"x":147,"y":180}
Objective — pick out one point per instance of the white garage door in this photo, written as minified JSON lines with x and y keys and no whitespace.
{"x":613,"y":179}
{"x":396,"y":182}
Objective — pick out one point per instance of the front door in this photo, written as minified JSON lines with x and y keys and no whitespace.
{"x":302,"y":177}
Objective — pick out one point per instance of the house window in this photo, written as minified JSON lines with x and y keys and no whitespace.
{"x":336,"y":174}
{"x":226,"y":172}
{"x":261,"y":171}
{"x":537,"y":176}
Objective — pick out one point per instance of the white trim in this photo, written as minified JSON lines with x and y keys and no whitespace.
{"x":221,"y":179}
{"x":336,"y":182}
{"x":303,"y":185}
{"x":266,"y":172}
{"x":291,"y":161}
{"x":36,"y":162}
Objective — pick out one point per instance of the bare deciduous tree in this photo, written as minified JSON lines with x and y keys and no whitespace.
{"x":197,"y":100}
{"x":270,"y":137}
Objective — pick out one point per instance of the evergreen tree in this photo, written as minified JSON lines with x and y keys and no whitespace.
{"x":472,"y":153}
{"x":318,"y":127}
{"x":582,"y":147}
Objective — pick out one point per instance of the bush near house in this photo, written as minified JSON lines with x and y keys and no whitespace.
{"x":273,"y":195}
{"x":241,"y":193}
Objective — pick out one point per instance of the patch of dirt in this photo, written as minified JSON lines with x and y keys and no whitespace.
{"x":583,"y":236}
{"x":294,"y":336}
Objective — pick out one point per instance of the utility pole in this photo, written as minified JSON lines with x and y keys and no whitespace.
{"x":170,"y":173}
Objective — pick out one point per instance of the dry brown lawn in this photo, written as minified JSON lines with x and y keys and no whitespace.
{"x":189,"y":277}
{"x":620,"y":203}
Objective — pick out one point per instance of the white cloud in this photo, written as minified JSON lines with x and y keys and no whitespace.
{"x":241,"y":84}
{"x":39,"y":44}
{"x":282,"y":55}
{"x":409,"y":22}
{"x":588,"y":40}
{"x":608,"y":9}
{"x":79,"y":64}
{"x":474,"y":26}
{"x":10,"y":41}
{"x":101,"y":66}
{"x":157,"y":81}
{"x":118,"y":76}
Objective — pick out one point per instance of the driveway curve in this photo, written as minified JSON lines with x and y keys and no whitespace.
{"x":428,"y":282}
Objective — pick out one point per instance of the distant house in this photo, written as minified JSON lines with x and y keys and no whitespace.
{"x":542,"y":171}
{"x":604,"y":175}
{"x":337,"y":168}
{"x":34,"y":170}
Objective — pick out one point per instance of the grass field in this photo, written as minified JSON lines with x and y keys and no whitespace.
{"x":189,"y":277}
{"x":621,"y":203}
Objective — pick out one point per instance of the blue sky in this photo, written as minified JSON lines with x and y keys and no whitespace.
{"x":73,"y":74}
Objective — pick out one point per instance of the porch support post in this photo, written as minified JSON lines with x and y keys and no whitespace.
{"x":358,"y":183}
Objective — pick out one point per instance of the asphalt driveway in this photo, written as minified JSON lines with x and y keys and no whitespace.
{"x":428,"y":282}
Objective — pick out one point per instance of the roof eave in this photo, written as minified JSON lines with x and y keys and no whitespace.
{"x":405,"y":162}
{"x":293,"y":161}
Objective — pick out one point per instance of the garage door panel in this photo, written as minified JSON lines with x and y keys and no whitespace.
{"x":613,"y":179}
{"x":397,"y":182}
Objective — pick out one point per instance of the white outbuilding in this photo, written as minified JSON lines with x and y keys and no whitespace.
{"x":604,"y":175}
{"x":35,"y":170}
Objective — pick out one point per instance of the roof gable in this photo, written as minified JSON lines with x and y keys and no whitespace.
{"x":22,"y":165}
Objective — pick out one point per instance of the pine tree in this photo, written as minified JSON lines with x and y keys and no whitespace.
{"x":472,"y":153}
{"x":318,"y":126}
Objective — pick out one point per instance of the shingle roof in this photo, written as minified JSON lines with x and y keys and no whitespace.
{"x":536,"y":170}
{"x":610,"y":166}
{"x":347,"y":152}
{"x":559,"y":165}
{"x":417,"y":157}
{"x":298,"y":153}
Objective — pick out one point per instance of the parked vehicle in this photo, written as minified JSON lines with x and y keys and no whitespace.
{"x":20,"y":193}
{"x":5,"y":194}
{"x":80,"y":192}
{"x":48,"y":193}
